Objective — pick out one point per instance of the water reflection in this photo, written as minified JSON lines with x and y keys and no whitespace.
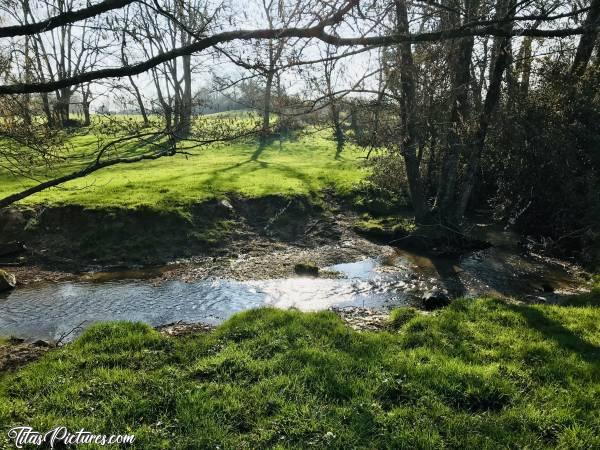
{"x":49,"y":310}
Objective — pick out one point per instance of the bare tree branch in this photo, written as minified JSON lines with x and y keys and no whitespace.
{"x":63,"y":19}
{"x":314,"y":32}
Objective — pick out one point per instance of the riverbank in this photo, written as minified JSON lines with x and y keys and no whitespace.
{"x":206,"y":236}
{"x":269,"y":237}
{"x":286,"y":252}
{"x":479,"y":374}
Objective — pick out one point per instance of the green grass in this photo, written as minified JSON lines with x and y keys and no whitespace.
{"x":479,"y":374}
{"x":400,"y":316}
{"x":305,"y":166}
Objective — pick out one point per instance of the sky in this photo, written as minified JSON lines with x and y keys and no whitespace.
{"x":232,"y":14}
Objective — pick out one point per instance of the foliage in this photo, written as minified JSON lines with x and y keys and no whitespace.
{"x":480,"y":374}
{"x":389,"y":173}
{"x":544,"y":174}
{"x":366,"y":196}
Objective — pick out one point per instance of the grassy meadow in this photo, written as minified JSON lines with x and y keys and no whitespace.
{"x":305,"y":165}
{"x":479,"y":374}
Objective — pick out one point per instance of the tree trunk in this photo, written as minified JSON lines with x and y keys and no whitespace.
{"x":140,"y":102}
{"x":354,"y":122}
{"x":61,"y":108}
{"x":408,"y":123}
{"x":512,"y":84}
{"x":461,"y":80}
{"x":47,"y":110}
{"x":86,"y":113}
{"x":63,"y":103}
{"x":524,"y":67}
{"x":587,"y":41}
{"x":431,"y":163}
{"x":337,"y":125}
{"x":458,"y":117}
{"x":338,"y":132}
{"x":523,"y":64}
{"x":26,"y":112}
{"x":186,"y":101}
{"x":166,"y":107}
{"x":500,"y":65}
{"x":267,"y":106}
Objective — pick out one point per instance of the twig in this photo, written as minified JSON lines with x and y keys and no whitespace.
{"x":63,"y":336}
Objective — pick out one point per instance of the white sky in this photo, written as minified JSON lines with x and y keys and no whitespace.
{"x":248,"y":14}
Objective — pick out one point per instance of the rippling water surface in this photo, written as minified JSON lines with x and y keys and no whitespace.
{"x":51,"y":309}
{"x":48,"y":310}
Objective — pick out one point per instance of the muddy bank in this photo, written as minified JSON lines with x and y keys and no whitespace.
{"x":15,"y":353}
{"x":73,"y":238}
{"x":238,"y":239}
{"x":260,"y":239}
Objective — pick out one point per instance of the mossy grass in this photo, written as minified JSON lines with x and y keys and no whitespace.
{"x":389,"y":227}
{"x":478,"y":374}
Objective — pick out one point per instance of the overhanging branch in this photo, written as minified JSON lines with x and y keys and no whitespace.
{"x":96,"y":165}
{"x":63,"y":19}
{"x":315,"y":32}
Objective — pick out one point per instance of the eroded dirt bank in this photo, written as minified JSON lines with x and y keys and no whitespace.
{"x":76,"y":238}
{"x":249,"y":239}
{"x":233,"y":238}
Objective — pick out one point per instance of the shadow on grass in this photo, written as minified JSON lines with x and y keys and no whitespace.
{"x":268,"y":141}
{"x":338,"y":150}
{"x":259,"y":149}
{"x":218,"y":173}
{"x":555,"y":331}
{"x":227,"y":174}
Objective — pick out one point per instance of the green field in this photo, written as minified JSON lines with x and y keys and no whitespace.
{"x":305,"y":165}
{"x":479,"y":374}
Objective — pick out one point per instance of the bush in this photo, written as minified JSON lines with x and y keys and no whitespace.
{"x":545,"y":172}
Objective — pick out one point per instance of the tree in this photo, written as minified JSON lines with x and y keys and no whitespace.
{"x":125,"y":61}
{"x":266,"y":60}
{"x":408,"y":129}
{"x":499,"y":66}
{"x":460,"y":65}
{"x":330,"y":63}
{"x":588,"y":40}
{"x":63,"y":52}
{"x":164,"y":38}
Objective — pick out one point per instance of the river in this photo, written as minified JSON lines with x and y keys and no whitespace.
{"x":48,"y":310}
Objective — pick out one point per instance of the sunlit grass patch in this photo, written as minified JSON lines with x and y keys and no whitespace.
{"x":479,"y":374}
{"x":303,"y":166}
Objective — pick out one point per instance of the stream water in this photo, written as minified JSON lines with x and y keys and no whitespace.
{"x":48,"y":310}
